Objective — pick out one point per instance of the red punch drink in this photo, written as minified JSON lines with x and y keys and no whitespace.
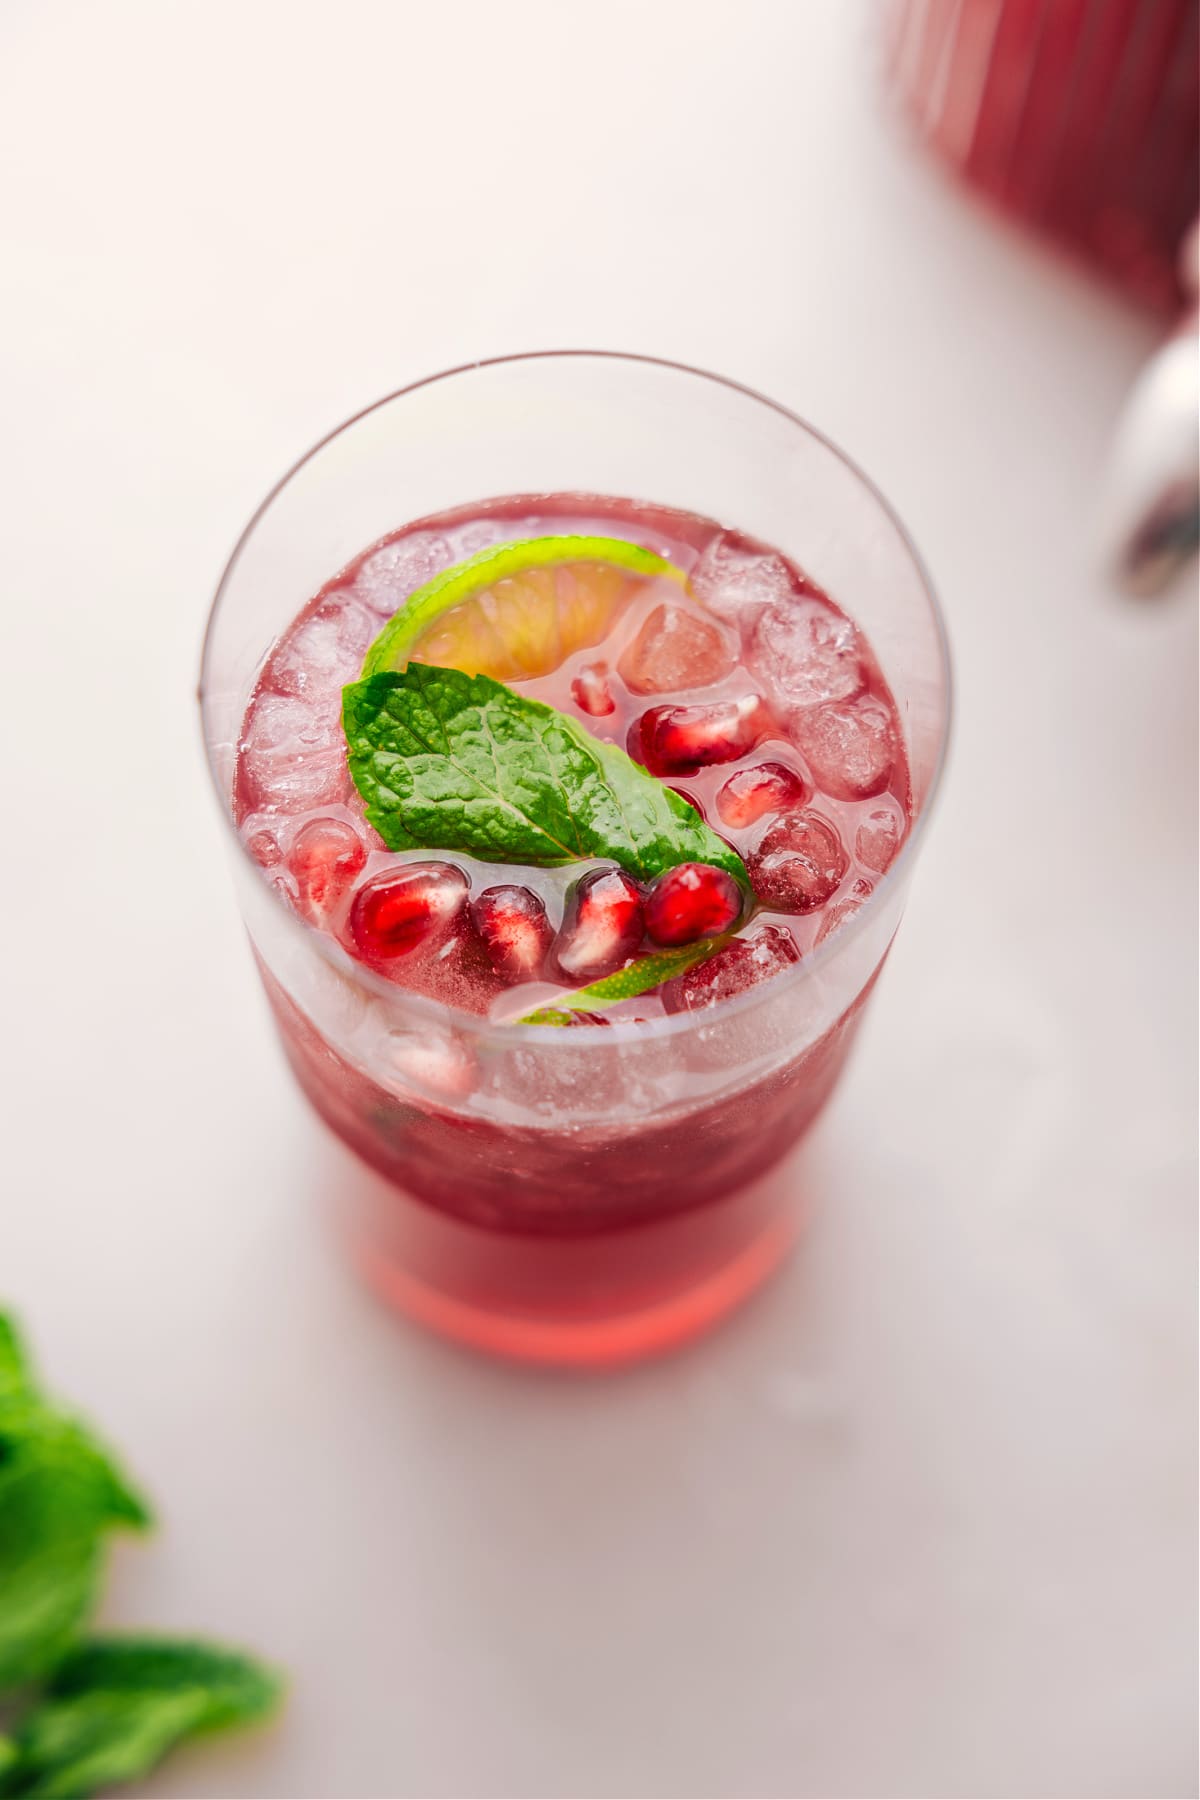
{"x":1079,"y":116}
{"x":569,"y":829}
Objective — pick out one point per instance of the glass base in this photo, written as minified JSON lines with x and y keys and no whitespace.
{"x":587,"y":1343}
{"x":591,"y":1302}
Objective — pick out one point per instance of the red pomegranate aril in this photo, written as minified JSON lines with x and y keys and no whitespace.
{"x":602,"y":928}
{"x":591,"y":692}
{"x":403,"y":909}
{"x":325,"y":858}
{"x":799,"y":863}
{"x":690,"y":902}
{"x":678,"y":740}
{"x":516,"y":933}
{"x":751,"y":793}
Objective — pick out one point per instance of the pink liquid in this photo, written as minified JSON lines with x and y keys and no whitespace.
{"x":623,"y":1233}
{"x":1080,"y":116}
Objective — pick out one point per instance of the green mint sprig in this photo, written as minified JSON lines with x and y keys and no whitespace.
{"x":109,"y":1709}
{"x":61,"y":1493}
{"x":447,"y":761}
{"x":115,"y":1706}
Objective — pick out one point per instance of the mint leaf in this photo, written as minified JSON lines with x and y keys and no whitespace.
{"x":60,"y":1493}
{"x":447,"y":761}
{"x":117,"y":1705}
{"x":637,"y":977}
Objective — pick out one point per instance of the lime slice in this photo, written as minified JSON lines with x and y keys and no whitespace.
{"x":518,"y":610}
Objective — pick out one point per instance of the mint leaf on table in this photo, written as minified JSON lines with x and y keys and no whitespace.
{"x":637,"y":977}
{"x":115,"y":1706}
{"x":108,"y":1709}
{"x":447,"y":761}
{"x":61,"y":1492}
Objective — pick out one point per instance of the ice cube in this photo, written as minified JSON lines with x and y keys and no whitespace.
{"x":738,"y":583}
{"x":324,"y":650}
{"x":799,"y":863}
{"x":878,"y":837}
{"x":387,"y":576}
{"x":264,"y":848}
{"x":806,"y":654}
{"x":843,"y":909}
{"x":293,"y":756}
{"x":324,"y":859}
{"x":674,"y":650}
{"x":850,"y":747}
{"x":743,"y":964}
{"x":434,"y":1063}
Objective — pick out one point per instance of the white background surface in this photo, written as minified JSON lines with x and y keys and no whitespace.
{"x":920,"y":1522}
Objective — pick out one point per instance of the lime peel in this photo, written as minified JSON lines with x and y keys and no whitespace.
{"x":501,"y":562}
{"x":637,"y":977}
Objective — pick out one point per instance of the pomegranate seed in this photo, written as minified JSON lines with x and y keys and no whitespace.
{"x":590,"y":690}
{"x":403,"y":908}
{"x":602,"y":928}
{"x":749,"y":793}
{"x":798,"y":864}
{"x":678,"y":740}
{"x":740,"y":965}
{"x":692,"y":901}
{"x":325,"y":858}
{"x":515,"y":930}
{"x":264,"y":848}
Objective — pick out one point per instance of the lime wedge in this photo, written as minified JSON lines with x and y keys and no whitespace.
{"x":518,"y":610}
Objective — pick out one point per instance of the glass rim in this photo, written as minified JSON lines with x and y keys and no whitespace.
{"x":625,"y":1030}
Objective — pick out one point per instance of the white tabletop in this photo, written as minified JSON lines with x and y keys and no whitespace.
{"x":919,"y":1522}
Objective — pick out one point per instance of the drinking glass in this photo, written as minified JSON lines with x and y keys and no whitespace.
{"x":572,"y":1196}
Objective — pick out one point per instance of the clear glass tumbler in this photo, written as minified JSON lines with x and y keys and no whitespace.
{"x":581,"y":1197}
